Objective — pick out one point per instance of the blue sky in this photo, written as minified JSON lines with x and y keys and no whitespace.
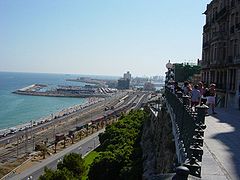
{"x":102,"y":37}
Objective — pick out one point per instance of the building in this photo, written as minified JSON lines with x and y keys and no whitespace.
{"x":148,"y":86}
{"x":221,"y":50}
{"x":127,"y":76}
{"x":123,"y":84}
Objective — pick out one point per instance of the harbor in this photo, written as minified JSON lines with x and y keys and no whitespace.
{"x":66,"y":91}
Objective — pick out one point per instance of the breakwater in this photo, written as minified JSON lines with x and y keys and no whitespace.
{"x":56,"y":94}
{"x":65,"y":91}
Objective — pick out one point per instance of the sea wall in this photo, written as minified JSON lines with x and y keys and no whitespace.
{"x":157,"y":144}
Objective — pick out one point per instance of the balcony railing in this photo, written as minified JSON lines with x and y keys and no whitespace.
{"x":206,"y":44}
{"x":238,"y":26}
{"x":220,"y":35}
{"x":237,"y":60}
{"x":221,"y":13}
{"x":206,"y":27}
{"x":232,"y":29}
{"x":188,"y":130}
{"x":230,"y":60}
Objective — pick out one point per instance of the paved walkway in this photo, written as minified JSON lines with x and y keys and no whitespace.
{"x":221,"y":159}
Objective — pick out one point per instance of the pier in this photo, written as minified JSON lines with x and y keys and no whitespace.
{"x":66,"y":91}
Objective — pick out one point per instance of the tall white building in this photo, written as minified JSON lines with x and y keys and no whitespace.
{"x":127,"y":76}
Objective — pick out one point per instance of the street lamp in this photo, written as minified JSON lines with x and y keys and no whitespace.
{"x":169,"y":65}
{"x":169,"y":73}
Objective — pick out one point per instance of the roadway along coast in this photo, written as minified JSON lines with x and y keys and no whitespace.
{"x":82,"y":147}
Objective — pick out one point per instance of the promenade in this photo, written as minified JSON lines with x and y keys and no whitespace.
{"x":221,"y":158}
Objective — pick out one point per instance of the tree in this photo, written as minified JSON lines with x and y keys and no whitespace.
{"x":63,"y":174}
{"x":43,"y":148}
{"x":184,"y":72}
{"x":121,"y":156}
{"x":74,"y":163}
{"x":71,"y":168}
{"x":104,"y":167}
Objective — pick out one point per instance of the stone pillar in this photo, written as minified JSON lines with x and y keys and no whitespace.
{"x":179,"y":94}
{"x":182,"y":173}
{"x":201,"y":113}
{"x":186,"y":100}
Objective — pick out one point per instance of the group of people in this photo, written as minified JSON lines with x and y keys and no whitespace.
{"x":199,"y":93}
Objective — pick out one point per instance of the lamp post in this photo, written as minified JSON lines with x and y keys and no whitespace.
{"x":169,"y":74}
{"x":169,"y":65}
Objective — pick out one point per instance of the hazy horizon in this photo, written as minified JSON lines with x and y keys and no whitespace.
{"x":99,"y":37}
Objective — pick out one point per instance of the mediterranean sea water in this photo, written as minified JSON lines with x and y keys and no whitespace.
{"x":18,"y":109}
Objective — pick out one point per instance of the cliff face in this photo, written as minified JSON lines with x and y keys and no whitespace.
{"x":157,"y":145}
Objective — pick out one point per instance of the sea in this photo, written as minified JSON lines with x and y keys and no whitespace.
{"x":20,"y":109}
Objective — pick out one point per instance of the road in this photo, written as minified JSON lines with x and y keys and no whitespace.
{"x":82,"y":147}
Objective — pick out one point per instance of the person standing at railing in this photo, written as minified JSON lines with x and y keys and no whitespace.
{"x":186,"y":88}
{"x":195,"y":96}
{"x":202,"y":90}
{"x":211,"y":95}
{"x":177,"y":87}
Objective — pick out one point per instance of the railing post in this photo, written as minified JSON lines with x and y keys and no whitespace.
{"x":179,"y":94}
{"x":186,"y":100}
{"x":182,"y":173}
{"x":194,"y":166}
{"x":201,"y":113}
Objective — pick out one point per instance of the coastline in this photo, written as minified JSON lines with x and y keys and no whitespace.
{"x":21,"y":109}
{"x":66,"y":111}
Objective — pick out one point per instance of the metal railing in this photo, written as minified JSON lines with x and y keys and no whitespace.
{"x":188,"y":129}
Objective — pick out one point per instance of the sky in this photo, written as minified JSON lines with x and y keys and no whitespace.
{"x":99,"y":37}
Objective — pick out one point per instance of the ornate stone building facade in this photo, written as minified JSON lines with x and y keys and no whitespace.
{"x":221,"y":50}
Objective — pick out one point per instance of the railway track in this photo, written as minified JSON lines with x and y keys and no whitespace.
{"x":61,"y":125}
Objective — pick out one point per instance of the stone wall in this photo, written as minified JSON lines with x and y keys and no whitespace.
{"x":157,"y":144}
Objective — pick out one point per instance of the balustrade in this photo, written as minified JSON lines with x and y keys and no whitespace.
{"x":189,"y":127}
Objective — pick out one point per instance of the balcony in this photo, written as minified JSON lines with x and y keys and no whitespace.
{"x":229,"y":60}
{"x":220,"y":35}
{"x":206,"y":44}
{"x":232,"y":29}
{"x":236,"y":60}
{"x":222,"y":13}
{"x":238,"y":27}
{"x":205,"y":64}
{"x":206,"y":27}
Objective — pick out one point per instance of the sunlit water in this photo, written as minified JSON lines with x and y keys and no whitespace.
{"x":17,"y":109}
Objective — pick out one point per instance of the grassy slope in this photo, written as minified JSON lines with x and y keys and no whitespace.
{"x":88,"y":161}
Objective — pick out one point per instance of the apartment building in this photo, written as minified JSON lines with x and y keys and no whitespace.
{"x":221,"y":50}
